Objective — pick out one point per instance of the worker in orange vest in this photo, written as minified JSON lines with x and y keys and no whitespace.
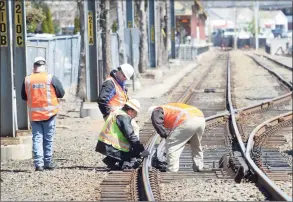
{"x":113,"y":94}
{"x":179,"y":123}
{"x":41,"y":91}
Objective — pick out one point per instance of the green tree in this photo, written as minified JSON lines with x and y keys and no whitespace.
{"x":76,"y":25}
{"x":114,"y":26}
{"x":251,"y":27}
{"x":56,"y":27}
{"x":34,"y":16}
{"x":47,"y":24}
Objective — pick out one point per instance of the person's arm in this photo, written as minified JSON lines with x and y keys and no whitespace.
{"x":107,"y":92}
{"x":158,"y":122}
{"x":23,"y":93}
{"x":124,"y":124}
{"x":58,"y":87}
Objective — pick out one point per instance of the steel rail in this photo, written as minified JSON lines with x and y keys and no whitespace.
{"x":275,"y":61}
{"x":147,"y":161}
{"x":232,"y":110}
{"x":233,"y":115}
{"x":265,"y":104}
{"x":287,"y":84}
{"x":276,"y":192}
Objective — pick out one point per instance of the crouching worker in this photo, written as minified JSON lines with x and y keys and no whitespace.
{"x":179,"y":123}
{"x":117,"y":139}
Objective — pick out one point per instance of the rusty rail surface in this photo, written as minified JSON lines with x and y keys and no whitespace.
{"x":253,"y":138}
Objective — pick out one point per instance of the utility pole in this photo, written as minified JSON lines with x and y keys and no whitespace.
{"x":256,"y":10}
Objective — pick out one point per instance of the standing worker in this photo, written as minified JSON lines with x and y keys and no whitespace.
{"x":113,"y":93}
{"x":41,"y":91}
{"x":179,"y":123}
{"x":117,"y":139}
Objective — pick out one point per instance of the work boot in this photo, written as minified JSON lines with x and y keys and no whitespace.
{"x":50,"y":166}
{"x":39,"y":168}
{"x":127,"y":165}
{"x":111,"y":163}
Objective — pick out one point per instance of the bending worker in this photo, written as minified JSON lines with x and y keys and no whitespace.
{"x":113,"y":94}
{"x":41,"y":91}
{"x":179,"y":123}
{"x":117,"y":139}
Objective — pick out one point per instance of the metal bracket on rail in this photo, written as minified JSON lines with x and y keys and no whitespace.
{"x":238,"y":164}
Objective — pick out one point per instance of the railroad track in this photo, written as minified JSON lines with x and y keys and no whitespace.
{"x":124,"y":192}
{"x":275,"y":61}
{"x":223,"y":142}
{"x":233,"y":166}
{"x":284,"y":73}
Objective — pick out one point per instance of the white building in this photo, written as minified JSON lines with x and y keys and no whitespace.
{"x":273,"y":19}
{"x":63,"y":12}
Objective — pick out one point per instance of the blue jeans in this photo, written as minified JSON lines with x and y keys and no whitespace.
{"x":43,"y":133}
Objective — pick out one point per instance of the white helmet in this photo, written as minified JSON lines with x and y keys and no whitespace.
{"x":150,"y":111}
{"x":127,"y":70}
{"x":134,"y":104}
{"x":38,"y":59}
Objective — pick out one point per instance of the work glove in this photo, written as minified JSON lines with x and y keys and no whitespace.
{"x":164,"y":136}
{"x":145,"y":153}
{"x":137,"y":148}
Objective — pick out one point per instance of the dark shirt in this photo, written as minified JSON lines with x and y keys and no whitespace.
{"x":124,"y":124}
{"x":55,"y":83}
{"x":158,"y":122}
{"x":107,"y":92}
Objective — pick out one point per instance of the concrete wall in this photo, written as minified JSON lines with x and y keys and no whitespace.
{"x":277,"y":45}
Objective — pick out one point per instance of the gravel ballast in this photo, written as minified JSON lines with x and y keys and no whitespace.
{"x":80,"y":169}
{"x":210,"y":190}
{"x":252,"y":84}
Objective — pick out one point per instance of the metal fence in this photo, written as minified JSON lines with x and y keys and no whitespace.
{"x":62,"y":55}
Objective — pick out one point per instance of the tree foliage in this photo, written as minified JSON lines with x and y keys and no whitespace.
{"x":34,"y":16}
{"x":76,"y":25}
{"x":251,"y":27}
{"x":47,"y":23}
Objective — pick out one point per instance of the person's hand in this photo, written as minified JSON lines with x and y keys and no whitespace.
{"x":164,"y":136}
{"x":145,"y":153}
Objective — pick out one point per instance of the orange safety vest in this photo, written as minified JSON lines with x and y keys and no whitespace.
{"x":42,"y":101}
{"x":119,"y":99}
{"x":176,"y":113}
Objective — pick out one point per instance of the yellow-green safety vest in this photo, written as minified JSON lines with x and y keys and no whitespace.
{"x":111,"y":133}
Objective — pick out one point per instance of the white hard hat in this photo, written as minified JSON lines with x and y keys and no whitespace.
{"x":38,"y":59}
{"x":127,"y":70}
{"x":150,"y":111}
{"x":134,"y":104}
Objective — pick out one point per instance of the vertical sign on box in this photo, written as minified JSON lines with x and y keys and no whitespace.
{"x":92,"y":67}
{"x":3,"y":24}
{"x":18,"y":23}
{"x":19,"y":51}
{"x":91,"y":28}
{"x":7,"y":120}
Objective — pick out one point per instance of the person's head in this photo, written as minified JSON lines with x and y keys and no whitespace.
{"x":39,"y":65}
{"x":124,"y":72}
{"x":132,"y":107}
